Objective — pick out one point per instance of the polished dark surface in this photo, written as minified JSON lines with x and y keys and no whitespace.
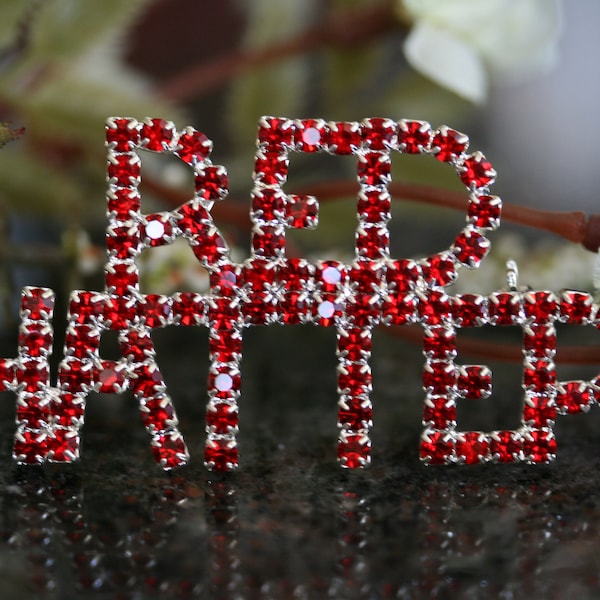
{"x":290,"y":523}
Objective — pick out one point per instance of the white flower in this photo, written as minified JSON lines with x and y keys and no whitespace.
{"x":461,"y":43}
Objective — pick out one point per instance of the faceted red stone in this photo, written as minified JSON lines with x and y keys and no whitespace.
{"x":354,"y":344}
{"x":194,"y":220}
{"x":210,"y":249}
{"x":224,"y":314}
{"x":137,"y":345}
{"x":435,"y":308}
{"x":189,"y":308}
{"x":505,"y":446}
{"x":310,"y":135}
{"x":374,"y":206}
{"x":484,"y":211}
{"x":576,"y":307}
{"x":120,"y":311}
{"x":82,"y":341}
{"x":342,"y":137}
{"x":124,"y":241}
{"x":439,"y":343}
{"x":355,"y":413}
{"x":400,"y":308}
{"x":211,"y":183}
{"x":403,"y":275}
{"x":540,"y":307}
{"x":379,"y":134}
{"x":35,"y":341}
{"x":259,"y":274}
{"x":437,"y":448}
{"x":474,"y":382}
{"x":158,"y":414}
{"x":156,"y":310}
{"x":63,"y":445}
{"x":301,"y":212}
{"x":76,"y":375}
{"x":295,"y":308}
{"x":539,"y":445}
{"x":354,"y":451}
{"x":157,"y":230}
{"x":226,"y":281}
{"x":222,"y":417}
{"x":374,"y":168}
{"x":111,"y":377}
{"x":33,"y":374}
{"x":224,"y":383}
{"x":414,"y":136}
{"x":540,"y":341}
{"x":330,"y":276}
{"x":296,"y":274}
{"x":33,"y":412}
{"x":225,"y":346}
{"x":31,"y":446}
{"x":271,"y":168}
{"x":473,"y":447}
{"x":354,"y":378}
{"x":538,"y":375}
{"x":469,"y":310}
{"x":8,"y":376}
{"x":86,"y":307}
{"x":470,"y":248}
{"x":440,"y":269}
{"x":124,"y":170}
{"x":193,"y":147}
{"x":439,"y":413}
{"x":37,"y":304}
{"x":268,"y":205}
{"x":221,"y":454}
{"x":124,"y":203}
{"x":68,"y":409}
{"x":169,"y":450}
{"x":269,"y":241}
{"x":538,"y":411}
{"x":373,"y":241}
{"x":477,"y":172}
{"x":157,"y":134}
{"x":122,"y":135}
{"x":448,"y":144}
{"x":573,"y":397}
{"x":121,"y":278}
{"x":276,"y":133}
{"x":147,"y":380}
{"x":504,"y":308}
{"x":439,"y":377}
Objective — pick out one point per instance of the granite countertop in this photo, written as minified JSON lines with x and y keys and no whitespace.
{"x":290,"y":523}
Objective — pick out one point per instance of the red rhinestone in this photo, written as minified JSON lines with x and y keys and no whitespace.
{"x":224,"y":383}
{"x":540,"y":341}
{"x":210,"y":249}
{"x":188,"y":308}
{"x":355,"y":413}
{"x":504,"y":308}
{"x":474,"y":382}
{"x":505,"y":446}
{"x":193,"y":146}
{"x":226,"y":281}
{"x":123,"y":242}
{"x":110,"y":377}
{"x":538,"y":375}
{"x":331,"y":276}
{"x":259,"y":274}
{"x":354,"y":344}
{"x":212,"y":183}
{"x":276,"y":133}
{"x":296,"y":274}
{"x":221,"y":454}
{"x":82,"y":341}
{"x":354,"y":451}
{"x":169,"y":450}
{"x":470,"y":248}
{"x":400,"y":308}
{"x":35,"y":342}
{"x":538,"y":410}
{"x":37,"y":303}
{"x":477,"y":171}
{"x":354,"y":378}
{"x":484,"y":211}
{"x":414,"y":136}
{"x":158,"y":135}
{"x":222,"y":417}
{"x":34,"y":414}
{"x":342,"y":137}
{"x":122,"y":135}
{"x":439,"y":377}
{"x":193,"y":220}
{"x":435,"y":309}
{"x":137,"y":345}
{"x":379,"y":134}
{"x":365,"y":278}
{"x":269,"y":241}
{"x":540,"y":307}
{"x":157,"y":230}
{"x":156,"y":310}
{"x":295,"y":308}
{"x":574,"y":397}
{"x":225,"y":346}
{"x":473,"y":447}
{"x":403,"y":275}
{"x":85,"y":306}
{"x":147,"y":380}
{"x":8,"y":376}
{"x":301,"y":212}
{"x":76,"y":375}
{"x":439,"y":343}
{"x":63,"y":446}
{"x":440,"y":270}
{"x":373,"y":242}
{"x":30,"y":447}
{"x":158,"y":414}
{"x":68,"y":409}
{"x":374,"y":206}
{"x":224,"y":314}
{"x":439,"y":413}
{"x":270,"y":168}
{"x":436,"y":448}
{"x":268,"y":205}
{"x":310,"y":135}
{"x":374,"y":168}
{"x":448,"y":144}
{"x":124,"y":170}
{"x":576,"y":307}
{"x":33,"y":375}
{"x":539,"y":446}
{"x":120,"y":311}
{"x":469,"y":310}
{"x":122,"y":278}
{"x":124,"y":203}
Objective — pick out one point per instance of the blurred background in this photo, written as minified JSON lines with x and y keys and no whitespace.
{"x":515,"y":75}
